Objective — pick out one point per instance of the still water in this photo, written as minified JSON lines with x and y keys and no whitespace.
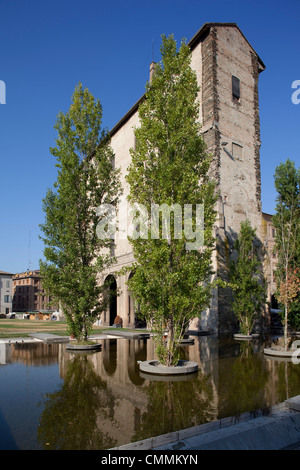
{"x":51,"y":398}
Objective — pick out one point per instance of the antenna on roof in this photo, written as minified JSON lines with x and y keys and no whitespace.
{"x":29,"y":260}
{"x":152,"y":50}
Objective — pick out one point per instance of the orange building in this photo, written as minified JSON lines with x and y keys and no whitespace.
{"x":29,"y":296}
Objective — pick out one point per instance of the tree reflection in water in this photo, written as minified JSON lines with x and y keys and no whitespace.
{"x":175,"y":405}
{"x":71,"y":419}
{"x":243,"y":381}
{"x":112,"y":403}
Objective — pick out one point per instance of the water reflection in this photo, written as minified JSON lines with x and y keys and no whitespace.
{"x":70,"y":416}
{"x":243,"y":379}
{"x":103,"y":400}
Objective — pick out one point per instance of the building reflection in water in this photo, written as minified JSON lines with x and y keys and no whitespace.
{"x":105,"y":401}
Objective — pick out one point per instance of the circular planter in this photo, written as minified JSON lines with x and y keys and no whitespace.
{"x":83,"y":347}
{"x":240,"y":336}
{"x":168,"y":378}
{"x":279,"y":352}
{"x":154,"y":367}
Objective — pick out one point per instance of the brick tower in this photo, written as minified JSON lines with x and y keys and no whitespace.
{"x":227,"y":69}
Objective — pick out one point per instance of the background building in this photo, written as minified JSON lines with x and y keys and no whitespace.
{"x":28,"y":294}
{"x":5,"y":292}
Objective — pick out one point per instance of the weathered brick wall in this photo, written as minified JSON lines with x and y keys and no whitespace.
{"x":222,"y":51}
{"x":226,"y":122}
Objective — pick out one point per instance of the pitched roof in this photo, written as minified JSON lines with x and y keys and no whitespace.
{"x":201,"y":34}
{"x":206,"y":28}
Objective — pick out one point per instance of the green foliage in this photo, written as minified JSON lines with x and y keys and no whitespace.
{"x":170,"y":166}
{"x":287,"y":224}
{"x":85,"y":180}
{"x":249,"y":291}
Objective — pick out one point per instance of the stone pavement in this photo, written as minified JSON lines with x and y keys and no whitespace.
{"x":276,"y":428}
{"x":51,"y":338}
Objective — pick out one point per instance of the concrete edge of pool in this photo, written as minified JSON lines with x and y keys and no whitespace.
{"x":274,"y":428}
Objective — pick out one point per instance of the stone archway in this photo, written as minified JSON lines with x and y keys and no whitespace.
{"x":132,"y":312}
{"x":112,"y":290}
{"x":274,"y":302}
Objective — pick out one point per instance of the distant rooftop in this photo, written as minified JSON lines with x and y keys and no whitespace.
{"x":31,"y":273}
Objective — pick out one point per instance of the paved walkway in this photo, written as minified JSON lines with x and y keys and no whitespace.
{"x":277,"y":428}
{"x":50,"y":338}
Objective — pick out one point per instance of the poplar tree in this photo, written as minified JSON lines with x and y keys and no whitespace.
{"x":170,"y":166}
{"x":74,"y":254}
{"x":286,"y":221}
{"x":249,"y":292}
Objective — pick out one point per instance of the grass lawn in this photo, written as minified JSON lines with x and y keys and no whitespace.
{"x":22,"y":328}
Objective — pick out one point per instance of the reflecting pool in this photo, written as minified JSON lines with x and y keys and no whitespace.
{"x":52,"y":398}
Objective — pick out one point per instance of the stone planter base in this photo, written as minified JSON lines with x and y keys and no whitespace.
{"x":168,"y":378}
{"x":240,"y":336}
{"x":154,"y":367}
{"x":278,"y":352}
{"x":84,"y":347}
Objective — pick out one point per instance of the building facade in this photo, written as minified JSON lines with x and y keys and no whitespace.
{"x":228,"y":70}
{"x":28,"y":294}
{"x":5,"y":292}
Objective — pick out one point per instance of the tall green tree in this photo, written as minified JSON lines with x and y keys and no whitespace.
{"x":86,"y":179}
{"x":249,"y":292}
{"x":170,"y":168}
{"x":286,"y":221}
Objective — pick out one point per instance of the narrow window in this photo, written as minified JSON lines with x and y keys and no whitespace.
{"x":112,"y":248}
{"x":237,"y":151}
{"x":235,"y":88}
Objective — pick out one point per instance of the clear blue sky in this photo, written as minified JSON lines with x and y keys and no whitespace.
{"x":47,"y":47}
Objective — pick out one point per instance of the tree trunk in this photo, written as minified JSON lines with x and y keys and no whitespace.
{"x":170,"y":343}
{"x":286,"y":309}
{"x":286,"y":327}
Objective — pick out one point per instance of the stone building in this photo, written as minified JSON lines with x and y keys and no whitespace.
{"x":5,"y":292}
{"x":228,"y":70}
{"x":29,"y":296}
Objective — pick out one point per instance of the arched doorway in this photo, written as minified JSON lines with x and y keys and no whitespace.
{"x":133,"y":311}
{"x":112,"y":292}
{"x":131,"y":315}
{"x":274,"y":302}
